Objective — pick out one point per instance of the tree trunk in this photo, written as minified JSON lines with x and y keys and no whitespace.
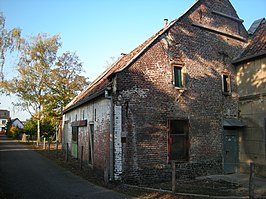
{"x":39,"y":126}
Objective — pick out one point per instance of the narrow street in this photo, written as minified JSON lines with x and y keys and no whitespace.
{"x":24,"y":173}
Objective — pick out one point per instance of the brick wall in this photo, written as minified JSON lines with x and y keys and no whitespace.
{"x":148,"y":98}
{"x":101,"y":121}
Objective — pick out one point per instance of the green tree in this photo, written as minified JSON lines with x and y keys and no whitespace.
{"x":30,"y":127}
{"x":9,"y":41}
{"x":48,"y":129}
{"x":8,"y":125}
{"x":65,"y":82}
{"x":45,"y":83}
{"x":14,"y":132}
{"x":37,"y":57}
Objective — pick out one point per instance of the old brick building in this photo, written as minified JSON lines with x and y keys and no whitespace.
{"x":173,"y":98}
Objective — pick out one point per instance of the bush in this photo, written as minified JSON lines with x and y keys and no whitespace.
{"x":14,"y":132}
{"x":30,"y":127}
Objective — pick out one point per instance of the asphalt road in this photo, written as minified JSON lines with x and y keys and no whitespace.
{"x":26,"y":174}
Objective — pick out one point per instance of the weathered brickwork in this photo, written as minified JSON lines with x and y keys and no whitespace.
{"x":97,"y":115}
{"x":132,"y":105}
{"x":149,"y":99}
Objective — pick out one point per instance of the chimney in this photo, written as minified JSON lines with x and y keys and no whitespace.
{"x":165,"y":22}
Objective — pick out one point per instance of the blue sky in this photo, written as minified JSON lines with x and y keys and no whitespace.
{"x":98,"y":30}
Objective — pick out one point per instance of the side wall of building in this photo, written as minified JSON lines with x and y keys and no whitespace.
{"x":4,"y":117}
{"x":252,"y":90}
{"x":94,"y":136}
{"x":149,"y":99}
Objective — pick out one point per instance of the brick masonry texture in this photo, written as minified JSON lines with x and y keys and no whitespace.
{"x":101,"y":122}
{"x":149,"y":99}
{"x":203,"y":42}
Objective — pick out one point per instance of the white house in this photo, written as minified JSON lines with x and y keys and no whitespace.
{"x":17,"y":123}
{"x":4,"y":117}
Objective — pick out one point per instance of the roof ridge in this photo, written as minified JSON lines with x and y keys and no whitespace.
{"x":254,"y":26}
{"x":158,"y":34}
{"x":132,"y":57}
{"x":256,"y":46}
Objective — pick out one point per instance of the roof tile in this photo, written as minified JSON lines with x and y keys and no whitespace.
{"x":257,"y":42}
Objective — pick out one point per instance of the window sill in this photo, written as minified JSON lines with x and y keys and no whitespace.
{"x":180,"y":88}
{"x":178,"y":161}
{"x":226,"y":93}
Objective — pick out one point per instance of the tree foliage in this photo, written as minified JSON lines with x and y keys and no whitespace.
{"x":64,"y":83}
{"x":13,"y":131}
{"x":45,"y":82}
{"x":9,"y":40}
{"x":30,"y":127}
{"x":37,"y":57}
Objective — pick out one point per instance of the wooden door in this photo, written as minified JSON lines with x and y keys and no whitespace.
{"x":230,"y":154}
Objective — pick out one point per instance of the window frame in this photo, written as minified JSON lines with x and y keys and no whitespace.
{"x":226,"y":84}
{"x":74,"y":132}
{"x":184,"y":136}
{"x":91,"y":144}
{"x":181,"y":76}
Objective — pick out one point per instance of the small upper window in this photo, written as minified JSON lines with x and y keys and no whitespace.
{"x":178,"y":77}
{"x":226,"y":84}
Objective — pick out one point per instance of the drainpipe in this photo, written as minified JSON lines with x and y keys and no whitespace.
{"x":111,"y":143}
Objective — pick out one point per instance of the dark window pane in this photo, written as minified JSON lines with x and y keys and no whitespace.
{"x":91,"y":141}
{"x":178,"y":76}
{"x":178,"y":148}
{"x":178,"y":140}
{"x":225,"y":77}
{"x":178,"y":126}
{"x":226,"y":83}
{"x":74,"y":133}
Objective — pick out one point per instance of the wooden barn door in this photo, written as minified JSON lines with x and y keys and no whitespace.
{"x":74,"y":143}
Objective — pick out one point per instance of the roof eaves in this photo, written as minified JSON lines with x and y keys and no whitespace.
{"x":104,"y":73}
{"x":77,"y":100}
{"x":81,"y":102}
{"x":248,"y":58}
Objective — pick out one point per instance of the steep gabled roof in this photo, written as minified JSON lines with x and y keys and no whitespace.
{"x":99,"y":85}
{"x":13,"y":120}
{"x":255,"y":26}
{"x":257,"y":42}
